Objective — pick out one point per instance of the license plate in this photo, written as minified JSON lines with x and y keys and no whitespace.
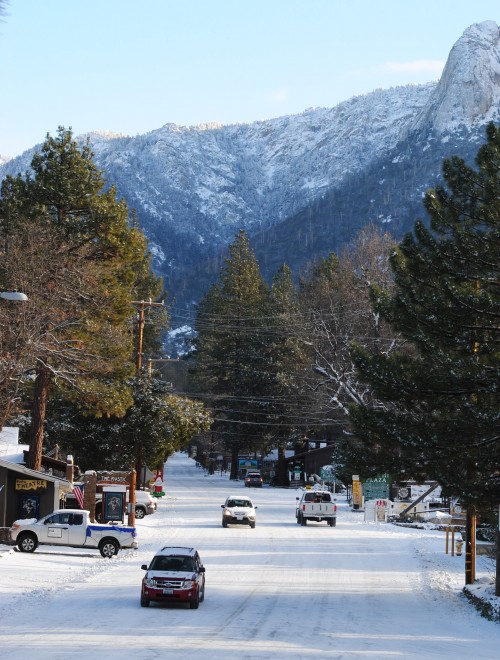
{"x":168,"y":592}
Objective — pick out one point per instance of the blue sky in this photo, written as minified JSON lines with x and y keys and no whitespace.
{"x":130,"y":67}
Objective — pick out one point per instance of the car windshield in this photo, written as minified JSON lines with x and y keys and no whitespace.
{"x":232,"y":503}
{"x":172,"y":563}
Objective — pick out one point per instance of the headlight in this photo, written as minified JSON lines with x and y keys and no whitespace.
{"x":227,"y":512}
{"x":150,"y":582}
{"x":188,"y":584}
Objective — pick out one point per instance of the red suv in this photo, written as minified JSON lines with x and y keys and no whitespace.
{"x":175,"y":575}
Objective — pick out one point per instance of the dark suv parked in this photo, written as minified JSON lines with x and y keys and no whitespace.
{"x":254,"y":478}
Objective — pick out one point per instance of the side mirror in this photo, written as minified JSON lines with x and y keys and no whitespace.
{"x":256,"y":507}
{"x":222,"y":506}
{"x":202,"y":569}
{"x":144,"y":567}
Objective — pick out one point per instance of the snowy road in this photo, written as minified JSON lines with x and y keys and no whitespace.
{"x":278,"y":591}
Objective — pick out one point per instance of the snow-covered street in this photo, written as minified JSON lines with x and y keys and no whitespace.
{"x":279,"y":591}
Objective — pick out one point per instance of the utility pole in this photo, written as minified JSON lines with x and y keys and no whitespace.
{"x":470,"y":545}
{"x":142,"y":305}
{"x":131,"y":504}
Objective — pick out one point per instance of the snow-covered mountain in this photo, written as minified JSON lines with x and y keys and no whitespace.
{"x":301,"y":185}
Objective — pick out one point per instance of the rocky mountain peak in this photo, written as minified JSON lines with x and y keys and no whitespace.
{"x":301,"y":185}
{"x":469,"y":88}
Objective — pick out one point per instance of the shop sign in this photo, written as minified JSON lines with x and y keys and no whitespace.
{"x":357,"y":494}
{"x":30,"y":484}
{"x":376,"y":488}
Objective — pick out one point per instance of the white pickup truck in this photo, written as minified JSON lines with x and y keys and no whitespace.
{"x":317,"y":505}
{"x":72,"y":527}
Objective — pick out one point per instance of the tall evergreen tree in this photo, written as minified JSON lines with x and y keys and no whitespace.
{"x":80,"y":280}
{"x":288,"y":362}
{"x":157,"y":424}
{"x":437,"y":414}
{"x":230,"y":350}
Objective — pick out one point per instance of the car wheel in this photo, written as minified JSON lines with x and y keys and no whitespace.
{"x":202,"y":597}
{"x":298,"y":518}
{"x":27,"y":543}
{"x":224,"y":523}
{"x":252,"y":525}
{"x":194,"y":604}
{"x":139,"y":513}
{"x":334,"y":522}
{"x":108,"y":548}
{"x":144,"y":601}
{"x":303,"y":521}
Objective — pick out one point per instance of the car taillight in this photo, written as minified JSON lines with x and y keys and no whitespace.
{"x":303,"y":507}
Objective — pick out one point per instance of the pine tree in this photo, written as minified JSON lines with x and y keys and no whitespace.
{"x":80,"y":275}
{"x":288,"y":363}
{"x":230,"y":350}
{"x":158,"y":423}
{"x":438,"y":411}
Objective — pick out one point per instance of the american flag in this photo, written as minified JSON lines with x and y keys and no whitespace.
{"x":78,"y":491}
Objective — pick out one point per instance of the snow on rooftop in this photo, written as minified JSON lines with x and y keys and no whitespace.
{"x":10,"y":449}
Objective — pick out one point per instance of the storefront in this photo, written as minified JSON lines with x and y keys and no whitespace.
{"x":26,"y":493}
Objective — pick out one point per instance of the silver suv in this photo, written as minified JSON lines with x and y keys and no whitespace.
{"x":238,"y":510}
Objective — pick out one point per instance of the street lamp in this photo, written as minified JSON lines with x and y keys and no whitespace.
{"x":13,"y":295}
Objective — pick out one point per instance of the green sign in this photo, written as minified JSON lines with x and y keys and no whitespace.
{"x":377,"y":488}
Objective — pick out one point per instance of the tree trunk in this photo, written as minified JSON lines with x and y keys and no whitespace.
{"x":497,"y":574}
{"x":139,"y":466}
{"x":282,"y":478}
{"x":234,"y":463}
{"x":37,"y":419}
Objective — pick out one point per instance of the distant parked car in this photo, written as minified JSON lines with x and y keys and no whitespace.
{"x":238,"y":510}
{"x":145,"y":504}
{"x":254,"y":479}
{"x":176,"y":575}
